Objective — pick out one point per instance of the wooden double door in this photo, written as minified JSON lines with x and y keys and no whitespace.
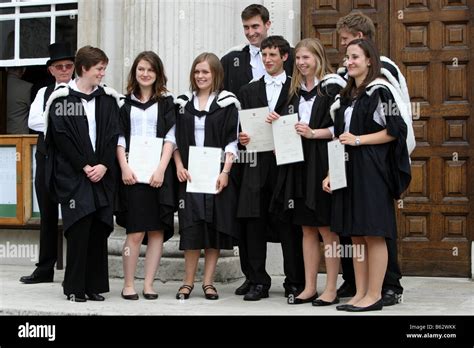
{"x":432,"y":41}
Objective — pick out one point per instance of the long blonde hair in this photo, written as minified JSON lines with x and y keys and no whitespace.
{"x":323,"y":66}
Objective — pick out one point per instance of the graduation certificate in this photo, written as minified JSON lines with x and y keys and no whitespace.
{"x":337,"y":165}
{"x":144,"y":156}
{"x":260,"y":132}
{"x":288,"y":145}
{"x":204,"y":166}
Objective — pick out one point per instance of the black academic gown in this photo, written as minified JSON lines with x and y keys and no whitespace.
{"x":303,"y":181}
{"x":376,"y":174}
{"x":166,"y":119}
{"x":70,"y":149}
{"x":220,"y":130}
{"x":238,"y":71}
{"x":254,"y":178}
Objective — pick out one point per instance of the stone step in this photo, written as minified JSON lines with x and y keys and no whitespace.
{"x":172,"y":261}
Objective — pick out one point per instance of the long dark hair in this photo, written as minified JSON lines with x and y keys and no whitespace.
{"x":159,"y":87}
{"x":371,"y":52}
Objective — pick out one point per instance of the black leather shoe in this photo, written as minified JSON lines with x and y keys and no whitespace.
{"x":244,"y":288}
{"x":390,"y":297}
{"x":320,"y":303}
{"x":344,"y":307}
{"x":149,"y":296}
{"x":296,"y":300}
{"x":74,"y":298}
{"x":346,"y":290}
{"x":94,"y":297}
{"x":292,"y":290}
{"x":129,"y":297}
{"x":36,"y":278}
{"x":377,"y":306}
{"x":212,"y":295}
{"x":256,"y":293}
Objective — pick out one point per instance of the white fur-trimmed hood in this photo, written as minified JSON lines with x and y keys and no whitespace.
{"x":333,"y":79}
{"x":223,"y":99}
{"x":335,"y":106}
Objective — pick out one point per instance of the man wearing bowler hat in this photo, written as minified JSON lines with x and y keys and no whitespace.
{"x":61,"y":67}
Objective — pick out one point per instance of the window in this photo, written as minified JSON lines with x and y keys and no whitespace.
{"x":27,"y":27}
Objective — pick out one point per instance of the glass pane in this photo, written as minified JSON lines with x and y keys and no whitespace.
{"x":66,"y":30}
{"x":66,"y":7}
{"x":7,"y":38}
{"x":7,"y":10}
{"x":29,"y":9}
{"x":35,"y":37}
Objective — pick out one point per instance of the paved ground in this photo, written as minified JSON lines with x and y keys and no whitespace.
{"x":423,"y":296}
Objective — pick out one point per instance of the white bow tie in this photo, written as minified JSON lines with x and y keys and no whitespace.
{"x":273,"y":81}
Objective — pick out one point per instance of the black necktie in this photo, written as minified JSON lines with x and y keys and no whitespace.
{"x":195,"y":112}
{"x":140,"y":105}
{"x":88,"y":97}
{"x":308,"y":95}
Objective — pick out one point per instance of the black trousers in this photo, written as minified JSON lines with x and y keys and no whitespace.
{"x":254,"y":240}
{"x":48,"y":254}
{"x":392,"y":276}
{"x":86,"y":262}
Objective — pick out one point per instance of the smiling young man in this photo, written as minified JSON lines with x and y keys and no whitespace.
{"x":81,"y":134}
{"x":356,"y":26}
{"x":61,"y":67}
{"x":243,"y":64}
{"x":258,"y":183}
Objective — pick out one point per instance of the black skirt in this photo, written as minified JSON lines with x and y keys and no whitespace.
{"x":203,"y":236}
{"x":145,"y":213}
{"x":303,"y":216}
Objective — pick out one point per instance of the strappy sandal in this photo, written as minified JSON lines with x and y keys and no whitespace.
{"x":212,"y":296}
{"x":183,"y":295}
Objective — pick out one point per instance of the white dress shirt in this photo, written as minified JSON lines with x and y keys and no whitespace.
{"x":143,"y":123}
{"x":273,"y":85}
{"x":36,"y":118}
{"x":200,"y":122}
{"x":258,"y":69}
{"x":306,"y":106}
{"x":89,"y":109}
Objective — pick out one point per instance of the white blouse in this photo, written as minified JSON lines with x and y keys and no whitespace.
{"x":379,"y":116}
{"x":143,"y":123}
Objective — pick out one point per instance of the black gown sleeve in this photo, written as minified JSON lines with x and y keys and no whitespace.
{"x":63,"y":140}
{"x":399,"y":157}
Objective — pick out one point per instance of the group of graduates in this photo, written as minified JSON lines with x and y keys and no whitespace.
{"x":83,"y":165}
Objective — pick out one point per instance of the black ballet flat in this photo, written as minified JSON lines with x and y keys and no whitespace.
{"x":320,"y":303}
{"x":149,"y":296}
{"x":295,"y":300}
{"x":344,"y":307}
{"x":377,"y":306}
{"x":208,"y":295}
{"x":130,"y":297}
{"x":183,"y":295}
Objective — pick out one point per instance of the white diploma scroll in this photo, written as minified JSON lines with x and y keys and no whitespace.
{"x":204,"y":166}
{"x":260,"y":132}
{"x":337,"y":165}
{"x":144,"y":156}
{"x":288,"y":144}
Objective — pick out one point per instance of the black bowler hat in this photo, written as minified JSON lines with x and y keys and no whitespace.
{"x":59,"y":51}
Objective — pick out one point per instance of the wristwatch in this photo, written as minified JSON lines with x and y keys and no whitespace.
{"x":226,"y":172}
{"x":357,"y":141}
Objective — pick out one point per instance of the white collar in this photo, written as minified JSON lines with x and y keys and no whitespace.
{"x":278,"y":80}
{"x":303,"y":86}
{"x":73,"y":85}
{"x":254,"y":50}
